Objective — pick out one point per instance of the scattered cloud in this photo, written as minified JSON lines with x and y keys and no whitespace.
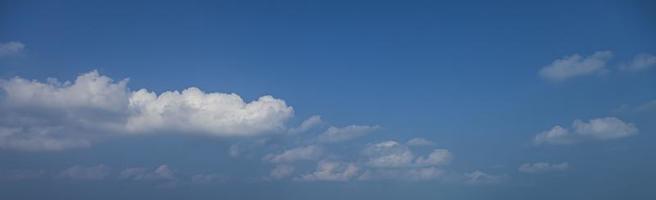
{"x":11,"y":49}
{"x":542,"y":167}
{"x":647,"y":106}
{"x":161,"y":173}
{"x":306,"y":125}
{"x":576,"y":65}
{"x":207,"y":178}
{"x":640,"y":62}
{"x":406,"y":174}
{"x":607,"y":128}
{"x":55,"y":115}
{"x":21,"y":174}
{"x":93,"y":173}
{"x":332,"y":171}
{"x":436,"y":158}
{"x":478,"y":177}
{"x":310,"y":152}
{"x":419,"y":142}
{"x":282,"y":171}
{"x":391,"y":154}
{"x":335,"y":134}
{"x":388,"y":154}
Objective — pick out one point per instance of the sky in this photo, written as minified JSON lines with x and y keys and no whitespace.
{"x":327,"y":100}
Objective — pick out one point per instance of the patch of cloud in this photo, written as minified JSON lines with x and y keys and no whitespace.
{"x":640,"y":62}
{"x":332,"y":171}
{"x":234,"y":151}
{"x":93,"y":173}
{"x":392,"y":154}
{"x":419,"y":142}
{"x":436,"y":158}
{"x":606,"y":128}
{"x":389,"y":154}
{"x":406,"y":174}
{"x":13,"y":48}
{"x":194,"y":110}
{"x":282,"y":171}
{"x":648,"y":106}
{"x":21,"y":174}
{"x":335,"y":134}
{"x":207,"y":178}
{"x":478,"y":177}
{"x":542,"y":167}
{"x":310,"y":152}
{"x":161,"y":173}
{"x":54,"y":115}
{"x":308,"y":124}
{"x":555,"y":135}
{"x":576,"y":65}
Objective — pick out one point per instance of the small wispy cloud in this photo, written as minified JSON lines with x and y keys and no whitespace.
{"x":576,"y":65}
{"x":606,"y":128}
{"x":13,"y":48}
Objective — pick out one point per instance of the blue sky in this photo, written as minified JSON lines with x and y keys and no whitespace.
{"x":327,"y":100}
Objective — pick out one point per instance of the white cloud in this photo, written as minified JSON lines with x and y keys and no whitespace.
{"x":57,"y":115}
{"x":606,"y":128}
{"x":310,"y":152}
{"x":419,"y":142}
{"x":234,"y":150}
{"x":436,"y":158}
{"x":163,"y":172}
{"x":193,"y":110}
{"x":332,"y":171}
{"x":407,"y":174}
{"x":542,"y":167}
{"x":640,"y":62}
{"x":21,"y":174}
{"x":335,"y":134}
{"x":479,"y":177}
{"x":11,"y":49}
{"x":98,"y":172}
{"x":555,"y":135}
{"x":389,"y":154}
{"x":306,"y":125}
{"x":576,"y":65}
{"x":282,"y":171}
{"x":647,"y":106}
{"x":207,"y":178}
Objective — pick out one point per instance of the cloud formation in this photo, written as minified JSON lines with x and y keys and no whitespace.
{"x":282,"y":171}
{"x":56,"y":115}
{"x":576,"y":65}
{"x":640,"y":62}
{"x":306,"y":125}
{"x":335,"y":134}
{"x":478,"y":177}
{"x":419,"y":142}
{"x":11,"y":48}
{"x":310,"y":152}
{"x":162,"y":172}
{"x":392,"y":154}
{"x":93,"y":173}
{"x":542,"y":167}
{"x":606,"y":128}
{"x":332,"y":171}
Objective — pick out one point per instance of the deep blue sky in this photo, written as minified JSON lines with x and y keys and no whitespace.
{"x":465,"y":75}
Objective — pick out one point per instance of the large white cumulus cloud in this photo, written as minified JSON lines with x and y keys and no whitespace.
{"x":56,"y":115}
{"x":197,"y":111}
